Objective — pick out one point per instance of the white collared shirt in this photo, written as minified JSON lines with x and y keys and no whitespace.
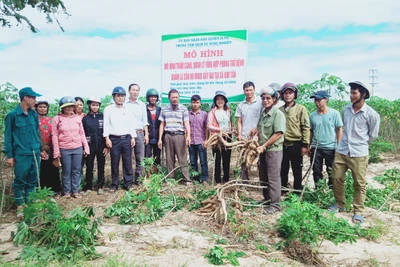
{"x":119,"y":121}
{"x":139,"y":112}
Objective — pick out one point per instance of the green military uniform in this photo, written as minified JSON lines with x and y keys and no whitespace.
{"x":272,"y":122}
{"x":22,"y":142}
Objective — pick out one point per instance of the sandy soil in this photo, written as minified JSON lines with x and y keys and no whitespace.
{"x":182,"y":238}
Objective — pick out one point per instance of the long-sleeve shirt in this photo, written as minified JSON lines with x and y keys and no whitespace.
{"x":139,"y":112}
{"x":297,"y":125}
{"x":93,"y":126}
{"x":198,"y":126}
{"x":360,"y":129}
{"x":22,"y":133}
{"x":119,"y":121}
{"x":213,"y":124}
{"x":68,"y":133}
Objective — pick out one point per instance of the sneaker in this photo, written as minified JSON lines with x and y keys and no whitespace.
{"x":20,"y":212}
{"x":100,"y":191}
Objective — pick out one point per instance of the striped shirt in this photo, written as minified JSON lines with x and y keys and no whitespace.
{"x":174,"y":119}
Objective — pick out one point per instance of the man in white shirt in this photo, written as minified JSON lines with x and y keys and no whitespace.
{"x":142,"y":134}
{"x":119,"y":131}
{"x":248,"y":113}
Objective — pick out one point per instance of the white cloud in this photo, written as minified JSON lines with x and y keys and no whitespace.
{"x":177,"y":16}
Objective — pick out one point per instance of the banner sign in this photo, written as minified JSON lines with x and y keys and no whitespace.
{"x":203,"y":63}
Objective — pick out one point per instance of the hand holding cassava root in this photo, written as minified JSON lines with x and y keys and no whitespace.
{"x":248,"y":154}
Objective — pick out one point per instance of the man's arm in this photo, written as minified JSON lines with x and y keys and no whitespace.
{"x":106,"y":127}
{"x":339,"y":133}
{"x":8,"y":139}
{"x":161,"y":132}
{"x":187,"y":133}
{"x":239,"y":127}
{"x":373,"y":126}
{"x":145,"y":124}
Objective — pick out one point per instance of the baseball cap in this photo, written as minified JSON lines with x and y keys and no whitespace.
{"x":27,"y":91}
{"x":321,"y":94}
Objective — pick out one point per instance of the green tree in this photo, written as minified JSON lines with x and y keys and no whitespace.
{"x":11,"y":10}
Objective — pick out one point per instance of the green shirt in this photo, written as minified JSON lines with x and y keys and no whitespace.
{"x":22,"y":133}
{"x":297,"y":125}
{"x":271,"y":122}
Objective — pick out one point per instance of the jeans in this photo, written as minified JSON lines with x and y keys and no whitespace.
{"x":121,"y":146}
{"x":101,"y":159}
{"x":322,"y":154}
{"x":152,"y":150}
{"x":196,"y":151}
{"x":71,"y":160}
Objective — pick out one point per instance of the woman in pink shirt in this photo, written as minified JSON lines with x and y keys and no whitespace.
{"x":68,"y":139}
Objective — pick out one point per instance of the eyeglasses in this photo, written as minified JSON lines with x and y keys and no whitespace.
{"x":265,"y":98}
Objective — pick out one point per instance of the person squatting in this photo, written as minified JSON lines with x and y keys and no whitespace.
{"x":37,"y":145}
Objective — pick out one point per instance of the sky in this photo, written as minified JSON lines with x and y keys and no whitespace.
{"x":115,"y":43}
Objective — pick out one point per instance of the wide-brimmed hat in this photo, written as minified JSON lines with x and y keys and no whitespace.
{"x":366,"y":86}
{"x":67,"y":101}
{"x":220,"y":93}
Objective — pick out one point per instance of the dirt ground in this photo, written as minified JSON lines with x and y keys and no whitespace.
{"x":182,"y":238}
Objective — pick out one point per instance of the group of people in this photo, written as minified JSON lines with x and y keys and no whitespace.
{"x":129,"y":127}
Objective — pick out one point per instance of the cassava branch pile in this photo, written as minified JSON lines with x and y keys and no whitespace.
{"x":248,"y":154}
{"x":216,"y":206}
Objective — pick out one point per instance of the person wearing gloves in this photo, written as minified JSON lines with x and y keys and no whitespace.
{"x":69,"y":144}
{"x":219,"y":119}
{"x":93,"y":126}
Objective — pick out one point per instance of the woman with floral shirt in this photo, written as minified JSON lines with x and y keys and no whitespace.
{"x":49,"y":174}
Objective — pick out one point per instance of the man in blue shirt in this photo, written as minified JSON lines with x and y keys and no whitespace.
{"x":325,"y":133}
{"x":361,"y":127}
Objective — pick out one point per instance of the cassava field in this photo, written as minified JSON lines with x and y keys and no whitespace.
{"x":167,"y":224}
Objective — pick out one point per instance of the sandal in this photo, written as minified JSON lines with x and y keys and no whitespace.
{"x":113,"y":190}
{"x":357,"y":219}
{"x":76,"y":195}
{"x":270,"y":210}
{"x":68,"y":195}
{"x":336,"y":208}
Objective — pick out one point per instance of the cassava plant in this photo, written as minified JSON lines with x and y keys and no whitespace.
{"x":49,"y":235}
